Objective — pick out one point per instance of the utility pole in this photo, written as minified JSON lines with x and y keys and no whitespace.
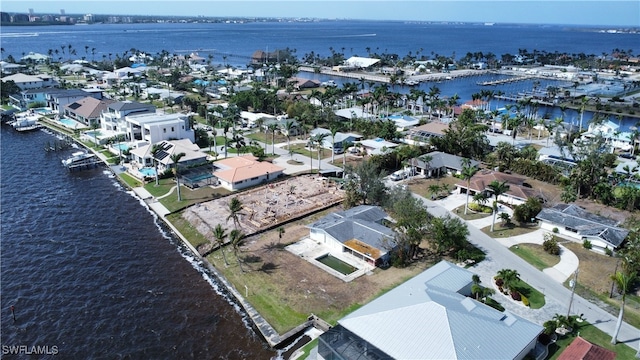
{"x":573,"y":282}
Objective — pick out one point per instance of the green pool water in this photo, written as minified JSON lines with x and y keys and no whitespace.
{"x":336,"y":264}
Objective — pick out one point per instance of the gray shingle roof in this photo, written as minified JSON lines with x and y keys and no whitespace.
{"x":440,"y":159}
{"x":585,"y":223}
{"x":357,"y":223}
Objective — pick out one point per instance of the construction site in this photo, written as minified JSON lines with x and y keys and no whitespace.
{"x":267,"y":206}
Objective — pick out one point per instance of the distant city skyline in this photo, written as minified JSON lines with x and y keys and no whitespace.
{"x":569,"y":12}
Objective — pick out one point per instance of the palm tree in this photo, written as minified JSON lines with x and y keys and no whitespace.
{"x":288,"y":126}
{"x":334,"y":131}
{"x":220,"y":234}
{"x":509,"y":278}
{"x":497,"y":188}
{"x":155,"y":149}
{"x":319,"y":138}
{"x":235,"y":206}
{"x":175,"y":158}
{"x":280,"y":233}
{"x":236,"y":237}
{"x":273,"y":127}
{"x":624,"y":282}
{"x":467,"y":173}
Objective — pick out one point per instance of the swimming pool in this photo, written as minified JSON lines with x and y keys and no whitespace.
{"x":147,"y":172}
{"x":121,"y":146}
{"x":336,"y":264}
{"x":69,"y":123}
{"x":95,"y":133}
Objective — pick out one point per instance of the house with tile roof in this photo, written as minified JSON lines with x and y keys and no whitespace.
{"x":581,"y":349}
{"x":430,"y":316}
{"x":578,"y":224}
{"x":57,"y":99}
{"x":420,"y":135}
{"x":518,"y":193}
{"x":87,"y":110}
{"x":358,"y":231}
{"x":241,"y":172}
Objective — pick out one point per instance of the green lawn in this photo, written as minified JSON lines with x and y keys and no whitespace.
{"x":536,"y":298}
{"x":130,"y":180}
{"x":187,"y":230}
{"x":471,"y":215}
{"x":306,"y":350}
{"x":535,"y":255}
{"x":595,"y":336}
{"x":189,"y":197}
{"x":500,"y":231}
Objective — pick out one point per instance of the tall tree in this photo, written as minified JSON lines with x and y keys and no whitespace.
{"x":236,"y":237}
{"x":235,"y":208}
{"x":221,"y":235}
{"x":448,"y":233}
{"x":624,"y":282}
{"x":175,"y":159}
{"x":273,"y":127}
{"x":155,"y":149}
{"x":467,"y":173}
{"x":319,"y":139}
{"x":288,"y":127}
{"x":497,"y":188}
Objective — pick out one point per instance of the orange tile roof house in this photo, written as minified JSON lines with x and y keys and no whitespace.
{"x":519,"y":191}
{"x":581,"y":349}
{"x":240,"y":172}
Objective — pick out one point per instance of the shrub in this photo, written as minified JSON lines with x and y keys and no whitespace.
{"x":587,"y":244}
{"x":608,"y":251}
{"x":516,"y":296}
{"x":555,"y":230}
{"x":525,"y":300}
{"x":499,"y":282}
{"x":550,"y":245}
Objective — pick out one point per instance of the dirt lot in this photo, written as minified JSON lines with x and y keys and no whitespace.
{"x":266,"y":206}
{"x":279,"y":279}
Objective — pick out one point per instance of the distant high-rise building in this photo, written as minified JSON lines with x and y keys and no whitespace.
{"x":30,"y":11}
{"x":61,"y":11}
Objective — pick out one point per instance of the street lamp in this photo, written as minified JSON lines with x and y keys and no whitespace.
{"x":572,"y":283}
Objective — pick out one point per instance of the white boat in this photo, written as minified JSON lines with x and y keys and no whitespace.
{"x":79,"y":160}
{"x":329,"y":83}
{"x":412,"y":82}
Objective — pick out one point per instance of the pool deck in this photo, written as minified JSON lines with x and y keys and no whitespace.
{"x":310,"y":250}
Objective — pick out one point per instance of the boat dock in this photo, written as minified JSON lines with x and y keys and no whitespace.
{"x":409,"y":80}
{"x":506,"y":81}
{"x":80,"y":161}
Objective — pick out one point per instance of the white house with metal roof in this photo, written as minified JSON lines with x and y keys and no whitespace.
{"x":358,"y":231}
{"x":431,"y":316}
{"x":576,"y":223}
{"x":154,"y":128}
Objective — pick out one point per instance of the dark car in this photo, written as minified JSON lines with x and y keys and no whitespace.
{"x":626,"y":155}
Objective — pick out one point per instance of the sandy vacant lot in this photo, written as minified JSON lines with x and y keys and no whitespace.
{"x":266,"y":206}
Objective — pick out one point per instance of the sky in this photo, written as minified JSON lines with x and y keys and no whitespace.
{"x":616,"y":13}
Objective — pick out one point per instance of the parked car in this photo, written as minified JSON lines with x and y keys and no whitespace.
{"x":398,"y":175}
{"x":626,"y":155}
{"x":338,"y":150}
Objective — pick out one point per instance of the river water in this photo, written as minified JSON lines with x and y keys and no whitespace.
{"x":92,"y":274}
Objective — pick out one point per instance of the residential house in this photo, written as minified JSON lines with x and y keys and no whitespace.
{"x":576,"y":223}
{"x":113,"y":118}
{"x":154,"y":128}
{"x":340,"y":138}
{"x":437,"y":163}
{"x":403,"y":122}
{"x":301,"y":83}
{"x":581,"y":349}
{"x":87,"y":110}
{"x":25,"y":98}
{"x":175,"y":97}
{"x":241,"y":172}
{"x":430,"y":316}
{"x":280,"y":122}
{"x":26,"y":82}
{"x":57,"y":99}
{"x":358,"y":231}
{"x":420,"y":135}
{"x":125,"y":73}
{"x":250,"y":119}
{"x":377,"y":146}
{"x":611,"y":132}
{"x":10,"y":68}
{"x":166,"y":148}
{"x":518,"y":193}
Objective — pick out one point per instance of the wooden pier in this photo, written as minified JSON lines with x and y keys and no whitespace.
{"x":506,"y":81}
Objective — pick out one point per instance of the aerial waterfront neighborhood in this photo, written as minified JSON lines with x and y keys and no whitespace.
{"x":369,"y":215}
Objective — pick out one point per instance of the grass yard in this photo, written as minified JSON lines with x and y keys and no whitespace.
{"x":471,"y":215}
{"x":421,"y":186}
{"x":130,"y":180}
{"x":594,"y":282}
{"x":535,"y":255}
{"x":593,"y":335}
{"x":536,"y":298}
{"x":302,"y":150}
{"x":500,"y":231}
{"x":189,"y":197}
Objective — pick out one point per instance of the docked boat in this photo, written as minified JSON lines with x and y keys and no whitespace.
{"x":80,"y":160}
{"x":25,"y":123}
